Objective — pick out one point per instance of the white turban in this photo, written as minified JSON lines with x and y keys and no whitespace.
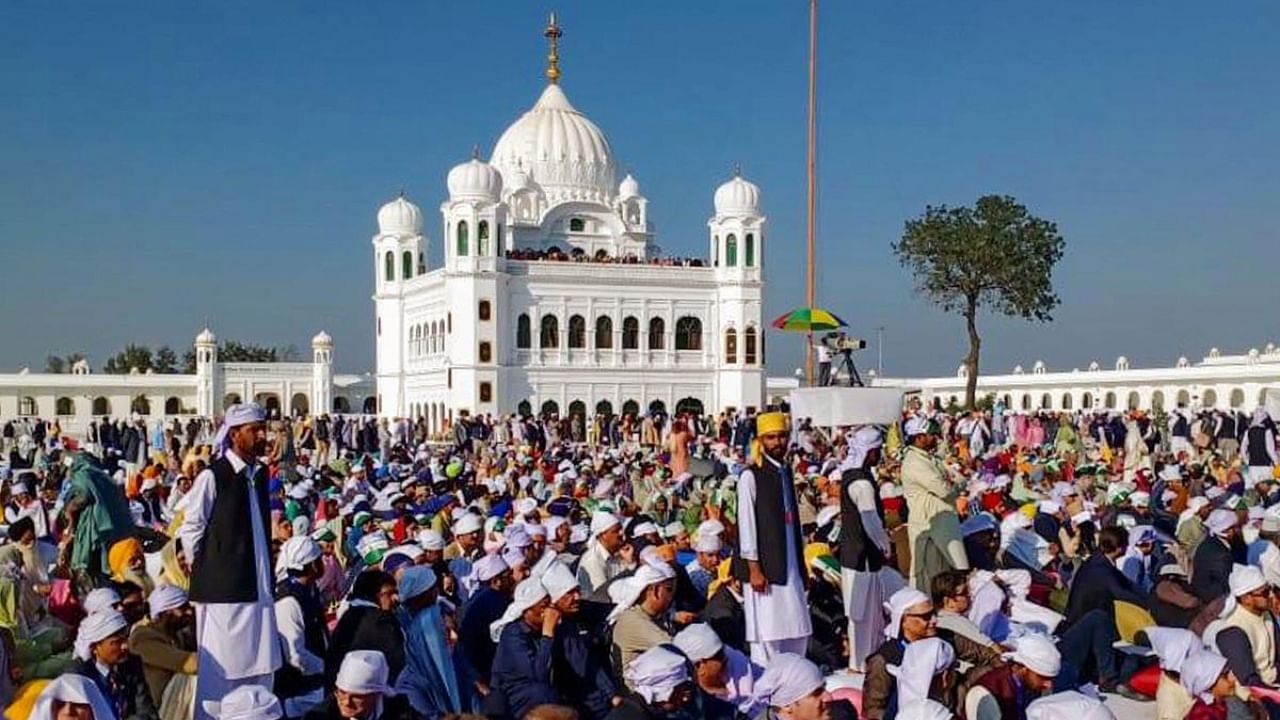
{"x":1200,"y":671}
{"x":656,"y":673}
{"x":924,"y":710}
{"x":518,"y":537}
{"x":414,"y":581}
{"x":250,"y":702}
{"x":363,"y":672}
{"x":1172,"y":645}
{"x":95,"y":628}
{"x":100,"y":599}
{"x":1038,"y":654}
{"x":235,"y":416}
{"x":897,"y":605}
{"x":672,"y":529}
{"x":1220,"y":521}
{"x":558,"y":580}
{"x":431,"y":540}
{"x":787,"y":679}
{"x":1067,"y":705}
{"x":602,"y":521}
{"x":489,"y":567}
{"x":625,"y":592}
{"x":468,"y":523}
{"x":295,"y":554}
{"x":525,"y":506}
{"x":71,"y":688}
{"x":708,"y":544}
{"x":916,"y":425}
{"x":920,"y":662}
{"x":709,"y":527}
{"x":528,"y":593}
{"x":544,"y":563}
{"x":698,"y":642}
{"x":513,"y":557}
{"x":165,"y":598}
{"x":552,"y":524}
{"x":1243,"y":580}
{"x":1140,"y":498}
{"x":863,"y":441}
{"x":644,"y":528}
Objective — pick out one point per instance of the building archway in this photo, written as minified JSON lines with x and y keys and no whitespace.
{"x":1237,"y":397}
{"x":631,"y":407}
{"x":230,"y":399}
{"x":102,"y":406}
{"x":1184,"y":398}
{"x":1026,"y":402}
{"x":1134,"y":401}
{"x":64,"y":406}
{"x":269,"y":402}
{"x":604,"y":408}
{"x":657,"y":406}
{"x":1157,"y":400}
{"x":172,"y":406}
{"x":550,"y":408}
{"x":1209,"y":399}
{"x":690,"y":406}
{"x":1066,"y":401}
{"x":577,"y":407}
{"x":28,"y":406}
{"x":1086,"y":402}
{"x":300,"y":404}
{"x":524,"y":409}
{"x":140,"y":405}
{"x":341,"y":404}
{"x":371,"y":405}
{"x":1046,"y":401}
{"x":1109,"y":400}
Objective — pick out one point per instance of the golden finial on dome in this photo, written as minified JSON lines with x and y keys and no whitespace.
{"x":552,"y":33}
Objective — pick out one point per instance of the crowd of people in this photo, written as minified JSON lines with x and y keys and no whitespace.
{"x":972,"y":565}
{"x":578,"y":255}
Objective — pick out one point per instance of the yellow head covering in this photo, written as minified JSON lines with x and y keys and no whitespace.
{"x":119,"y":555}
{"x":770,"y":422}
{"x":723,"y":574}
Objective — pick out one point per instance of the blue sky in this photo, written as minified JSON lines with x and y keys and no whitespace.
{"x":164,"y":163}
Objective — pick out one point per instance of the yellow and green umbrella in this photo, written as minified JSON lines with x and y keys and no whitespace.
{"x":809,"y":320}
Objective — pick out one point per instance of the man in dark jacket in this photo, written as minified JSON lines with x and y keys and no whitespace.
{"x":110,"y":666}
{"x":1099,"y":583}
{"x":1212,"y":563}
{"x":368,"y":624}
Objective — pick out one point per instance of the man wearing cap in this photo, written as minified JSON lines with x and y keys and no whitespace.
{"x":1248,"y":637}
{"x":362,"y":690}
{"x":102,"y":655}
{"x":794,"y":688}
{"x":484,"y":606}
{"x":580,"y":662}
{"x":723,"y":673}
{"x":304,"y":631}
{"x":224,"y":534}
{"x":522,"y":666}
{"x":1211,"y":565}
{"x":163,"y":644}
{"x":1259,"y":448}
{"x":933,"y":526}
{"x":770,"y":547}
{"x":1006,"y":691}
{"x":864,"y":545}
{"x":601,"y":563}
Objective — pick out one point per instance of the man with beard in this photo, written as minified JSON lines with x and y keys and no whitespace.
{"x":224,"y":534}
{"x":484,"y":606}
{"x":165,"y":643}
{"x":579,"y":660}
{"x":129,"y":564}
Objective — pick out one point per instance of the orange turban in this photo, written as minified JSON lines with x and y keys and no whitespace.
{"x":120,"y":554}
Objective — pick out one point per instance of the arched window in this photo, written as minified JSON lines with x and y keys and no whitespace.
{"x":1157,"y":400}
{"x":501,"y":250}
{"x":1066,"y":401}
{"x":577,"y":225}
{"x":101,"y":406}
{"x":1026,"y":402}
{"x":1135,"y":400}
{"x":486,"y":351}
{"x":604,"y":408}
{"x":462,"y":238}
{"x":577,"y":407}
{"x":1086,"y":402}
{"x":524,"y":409}
{"x":688,"y":333}
{"x":1237,"y":398}
{"x":522,"y":332}
{"x":482,"y":238}
{"x":389,"y":266}
{"x":422,"y":263}
{"x":485,"y":310}
{"x":731,"y":251}
{"x":630,"y":407}
{"x":715,"y":251}
{"x":604,"y":332}
{"x":173,"y":406}
{"x":630,"y":333}
{"x":406,"y":265}
{"x":730,"y":346}
{"x":577,"y":331}
{"x":550,"y":408}
{"x":486,"y":392}
{"x":750,"y":259}
{"x":1109,"y":400}
{"x":750,"y":341}
{"x":141,"y":405}
{"x":1046,"y":401}
{"x":549,"y":337}
{"x":64,"y":406}
{"x":657,"y":333}
{"x":27,"y":406}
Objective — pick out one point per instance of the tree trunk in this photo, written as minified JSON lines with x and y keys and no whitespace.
{"x":971,"y":362}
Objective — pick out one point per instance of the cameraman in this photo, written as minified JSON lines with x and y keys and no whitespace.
{"x":824,"y":359}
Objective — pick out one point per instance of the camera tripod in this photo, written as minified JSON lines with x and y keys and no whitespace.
{"x":846,"y":364}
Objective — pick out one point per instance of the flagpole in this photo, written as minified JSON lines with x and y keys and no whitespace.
{"x":812,"y":162}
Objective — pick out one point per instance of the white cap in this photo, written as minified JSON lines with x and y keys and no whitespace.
{"x":363,"y":672}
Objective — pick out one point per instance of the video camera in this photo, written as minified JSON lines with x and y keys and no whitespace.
{"x":843,"y":343}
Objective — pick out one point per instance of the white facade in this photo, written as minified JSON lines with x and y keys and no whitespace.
{"x":288,"y":388}
{"x":1217,"y":381}
{"x":496,"y":331}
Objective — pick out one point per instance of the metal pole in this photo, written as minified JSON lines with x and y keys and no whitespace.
{"x":812,"y":162}
{"x":880,"y":350}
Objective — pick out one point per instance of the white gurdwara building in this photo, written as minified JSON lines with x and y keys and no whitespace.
{"x":553,"y":297}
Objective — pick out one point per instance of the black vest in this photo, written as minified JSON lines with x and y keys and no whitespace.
{"x":289,"y":681}
{"x":771,"y":538}
{"x":1258,"y":456}
{"x":1181,"y":427}
{"x":857,"y":550}
{"x":1228,"y":430}
{"x":224,"y":570}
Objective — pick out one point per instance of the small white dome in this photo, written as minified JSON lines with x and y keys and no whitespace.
{"x":474,"y":180}
{"x":1094,"y":367}
{"x":400,"y":217}
{"x":1017,"y":369}
{"x":629,"y":188}
{"x":206,"y":337}
{"x":738,"y":196}
{"x":321,"y":339}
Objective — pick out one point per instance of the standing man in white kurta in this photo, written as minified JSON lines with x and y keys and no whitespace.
{"x":770,"y":549}
{"x":224,"y":535}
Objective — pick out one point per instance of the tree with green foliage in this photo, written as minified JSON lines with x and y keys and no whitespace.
{"x":133,"y":357}
{"x":166,"y":361}
{"x":995,"y":256}
{"x":60,"y":364}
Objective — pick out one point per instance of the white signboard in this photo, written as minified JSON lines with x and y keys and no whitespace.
{"x":840,"y":406}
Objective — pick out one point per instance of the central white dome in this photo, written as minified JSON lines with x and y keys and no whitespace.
{"x":559,"y":149}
